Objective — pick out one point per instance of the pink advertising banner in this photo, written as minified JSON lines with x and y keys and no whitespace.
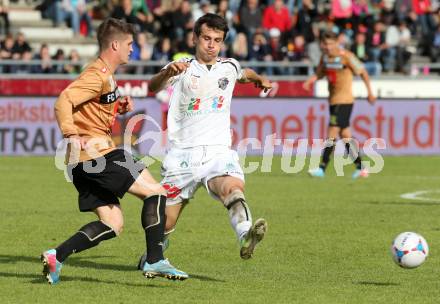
{"x":407,"y":127}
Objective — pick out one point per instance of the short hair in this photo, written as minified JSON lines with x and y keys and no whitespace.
{"x":110,"y":29}
{"x":329,"y":35}
{"x":212,"y":21}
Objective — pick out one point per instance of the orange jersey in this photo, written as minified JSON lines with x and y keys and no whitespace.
{"x":339,"y":71}
{"x":88,"y":108}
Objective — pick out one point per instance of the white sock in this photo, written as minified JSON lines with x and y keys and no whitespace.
{"x":241,"y":229}
{"x":239,"y":221}
{"x":239,"y":213}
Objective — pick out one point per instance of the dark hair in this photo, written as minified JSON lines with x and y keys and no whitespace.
{"x":110,"y":28}
{"x":212,"y":21}
{"x":329,"y":35}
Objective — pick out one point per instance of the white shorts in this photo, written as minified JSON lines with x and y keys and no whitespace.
{"x":185,"y":170}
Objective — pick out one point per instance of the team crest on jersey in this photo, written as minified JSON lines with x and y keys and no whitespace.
{"x":195,"y":82}
{"x":223,"y":83}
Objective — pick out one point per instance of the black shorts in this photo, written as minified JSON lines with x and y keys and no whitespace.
{"x":101,"y":181}
{"x":340,"y":115}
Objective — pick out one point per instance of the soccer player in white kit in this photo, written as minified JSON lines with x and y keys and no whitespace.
{"x":199,"y":132}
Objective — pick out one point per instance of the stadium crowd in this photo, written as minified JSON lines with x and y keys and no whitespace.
{"x":384,"y":34}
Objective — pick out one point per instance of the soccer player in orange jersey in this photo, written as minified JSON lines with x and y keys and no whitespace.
{"x":100,"y":172}
{"x":339,"y":66}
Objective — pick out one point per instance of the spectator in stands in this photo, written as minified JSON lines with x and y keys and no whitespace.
{"x":277,"y":16}
{"x":184,"y":49}
{"x":135,"y":12}
{"x":234,"y":6}
{"x":45,"y":66}
{"x":423,"y":10}
{"x":403,"y":10}
{"x":74,"y":11}
{"x":425,"y":19}
{"x":142,"y":48}
{"x":296,"y":52}
{"x":223,"y":10}
{"x":4,"y":14}
{"x":164,"y":14}
{"x":330,"y":25}
{"x":239,"y":48}
{"x":296,"y":48}
{"x":434,"y":53}
{"x":203,"y":9}
{"x":313,"y":49}
{"x":363,"y":51}
{"x":75,"y":63}
{"x":187,"y":46}
{"x":182,"y":20}
{"x":124,"y":11}
{"x":362,"y":14}
{"x":50,"y":9}
{"x":260,"y":52}
{"x":26,"y":67}
{"x":304,"y":16}
{"x":153,"y":5}
{"x":59,"y":67}
{"x":344,"y":40}
{"x":6,"y":47}
{"x":379,"y":49}
{"x":386,"y":8}
{"x":277,"y":50}
{"x":250,"y":18}
{"x":392,"y":39}
{"x":341,"y":11}
{"x":104,"y":8}
{"x":144,"y":16}
{"x":162,"y":51}
{"x":403,"y":54}
{"x":142,"y":51}
{"x":20,"y":47}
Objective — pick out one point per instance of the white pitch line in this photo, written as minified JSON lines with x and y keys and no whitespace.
{"x":416,"y":196}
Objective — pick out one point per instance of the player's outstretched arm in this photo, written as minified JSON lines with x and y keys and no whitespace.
{"x":260,"y":81}
{"x":159,"y":80}
{"x":366,"y":79}
{"x":307,"y":85}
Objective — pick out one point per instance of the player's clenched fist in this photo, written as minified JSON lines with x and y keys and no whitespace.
{"x":176,"y":68}
{"x":263,"y":83}
{"x":125,"y":105}
{"x":371,"y":98}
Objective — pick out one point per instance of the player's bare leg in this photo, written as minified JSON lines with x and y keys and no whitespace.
{"x":230,"y":190}
{"x":173,"y":213}
{"x":353,"y":152}
{"x":153,"y":222}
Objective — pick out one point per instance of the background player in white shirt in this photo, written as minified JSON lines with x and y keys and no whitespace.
{"x":199,"y":131}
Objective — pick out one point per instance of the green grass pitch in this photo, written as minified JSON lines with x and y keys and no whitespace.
{"x":328,"y":240}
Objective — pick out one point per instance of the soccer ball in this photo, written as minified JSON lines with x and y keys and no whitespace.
{"x":409,"y":250}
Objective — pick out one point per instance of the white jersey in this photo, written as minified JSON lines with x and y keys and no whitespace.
{"x":200,"y":106}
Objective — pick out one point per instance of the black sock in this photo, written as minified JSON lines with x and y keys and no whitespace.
{"x":153,"y":220}
{"x":87,"y":237}
{"x":350,"y":153}
{"x":328,"y":150}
